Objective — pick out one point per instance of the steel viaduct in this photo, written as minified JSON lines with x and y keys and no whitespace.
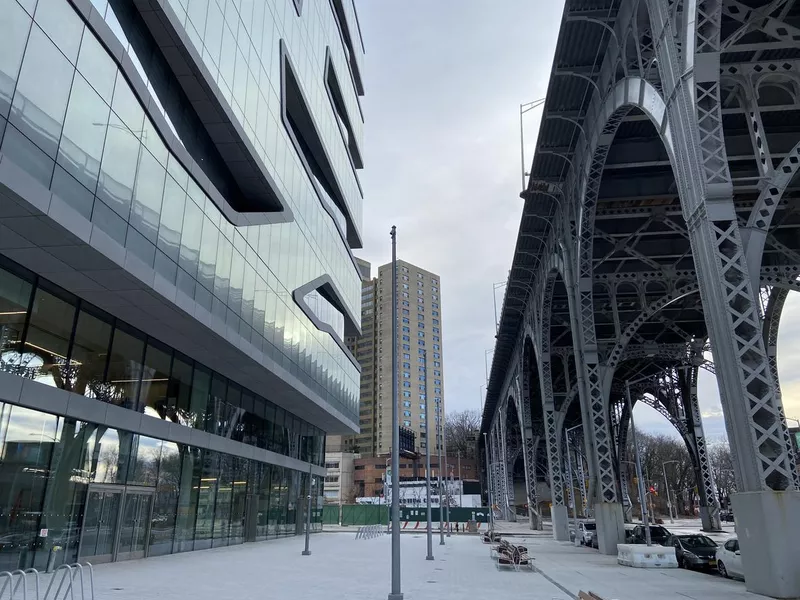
{"x":660,"y":235}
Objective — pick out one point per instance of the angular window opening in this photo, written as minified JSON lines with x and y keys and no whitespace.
{"x":349,"y":49}
{"x":305,"y":136}
{"x":325,"y":311}
{"x":340,"y":110}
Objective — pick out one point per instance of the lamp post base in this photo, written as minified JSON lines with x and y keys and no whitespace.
{"x":395,"y":596}
{"x":306,"y":552}
{"x":429,"y":557}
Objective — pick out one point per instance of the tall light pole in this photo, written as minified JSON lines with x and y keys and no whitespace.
{"x":439,"y":481}
{"x":306,"y":551}
{"x":396,"y":593}
{"x":666,"y":486}
{"x":488,"y":483}
{"x":571,"y":486}
{"x":523,"y":108}
{"x":446,"y":495}
{"x":428,"y":461}
{"x":460,"y":483}
{"x":386,"y":485}
{"x":645,"y":518}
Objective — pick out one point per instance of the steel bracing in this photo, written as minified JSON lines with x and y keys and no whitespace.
{"x":659,"y":237}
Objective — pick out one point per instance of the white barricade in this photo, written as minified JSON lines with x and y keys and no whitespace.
{"x":647,"y":557}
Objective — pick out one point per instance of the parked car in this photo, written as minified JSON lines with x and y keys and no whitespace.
{"x":586,"y":530}
{"x":729,"y":559}
{"x":658,"y":535}
{"x":694,"y":551}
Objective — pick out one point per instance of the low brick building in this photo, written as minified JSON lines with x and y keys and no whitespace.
{"x":369,"y":472}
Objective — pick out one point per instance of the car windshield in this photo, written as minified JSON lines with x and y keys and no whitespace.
{"x":590,"y":526}
{"x":697,"y":541}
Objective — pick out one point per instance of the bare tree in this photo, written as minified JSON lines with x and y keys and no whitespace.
{"x":461,"y":432}
{"x":721,"y":461}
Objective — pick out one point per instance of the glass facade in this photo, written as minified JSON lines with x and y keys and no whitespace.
{"x":87,"y":137}
{"x":90,"y":492}
{"x":61,"y":341}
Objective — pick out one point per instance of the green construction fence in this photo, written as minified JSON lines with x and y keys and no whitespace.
{"x":375,"y":514}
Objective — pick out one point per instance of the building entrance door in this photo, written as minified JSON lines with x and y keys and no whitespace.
{"x":117,"y":523}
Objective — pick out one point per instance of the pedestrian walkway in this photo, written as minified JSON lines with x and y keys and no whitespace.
{"x":340,"y":566}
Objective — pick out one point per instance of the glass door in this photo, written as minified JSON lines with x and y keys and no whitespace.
{"x":134,"y":526}
{"x":100,"y":524}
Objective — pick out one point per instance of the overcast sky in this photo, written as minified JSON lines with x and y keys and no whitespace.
{"x":444,"y":80}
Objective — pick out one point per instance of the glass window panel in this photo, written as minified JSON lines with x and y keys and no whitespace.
{"x":127,"y":107}
{"x":118,"y":170}
{"x":208,"y":255}
{"x":237,"y":283}
{"x":15,"y":294}
{"x":277,"y":507}
{"x":238,"y":499}
{"x":59,"y":21}
{"x":206,"y":500}
{"x":223,"y":274}
{"x":179,"y":393}
{"x":97,"y":67}
{"x":165,"y":267}
{"x":172,"y":212}
{"x":190,"y":237}
{"x":38,"y":110}
{"x":27,"y":155}
{"x":145,"y":458}
{"x":140,"y":247}
{"x":147,"y":196}
{"x":109,"y":222}
{"x":165,"y":501}
{"x":201,"y":388}
{"x":191,"y":470}
{"x":179,"y":174}
{"x":124,"y":369}
{"x":67,"y":484}
{"x":81,"y":147}
{"x":66,"y":187}
{"x":222,"y":510}
{"x":155,"y":377}
{"x":15,"y":24}
{"x":111,"y":456}
{"x":27,"y":441}
{"x":88,"y":356}
{"x":47,"y":340}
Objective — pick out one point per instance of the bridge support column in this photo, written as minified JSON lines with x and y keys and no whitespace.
{"x":530,"y":445}
{"x":610,"y":519}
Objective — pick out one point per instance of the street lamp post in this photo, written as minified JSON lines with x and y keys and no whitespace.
{"x":666,"y":486}
{"x":396,"y":593}
{"x":523,"y":108}
{"x":645,"y":518}
{"x":386,"y":494}
{"x":571,"y":487}
{"x":488,"y":483}
{"x":307,"y":552}
{"x":439,"y":480}
{"x":427,"y":462}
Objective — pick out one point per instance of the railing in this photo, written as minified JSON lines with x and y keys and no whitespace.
{"x":16,"y":583}
{"x":366,"y":532}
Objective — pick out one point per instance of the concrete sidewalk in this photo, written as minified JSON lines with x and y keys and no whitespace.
{"x":574,"y":569}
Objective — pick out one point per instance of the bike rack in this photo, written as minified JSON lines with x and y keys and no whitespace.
{"x":70,"y":572}
{"x":22,"y":580}
{"x":368,"y":532}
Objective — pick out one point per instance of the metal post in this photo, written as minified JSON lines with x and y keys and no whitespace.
{"x":642,"y":500}
{"x":488,"y":483}
{"x":307,"y":552}
{"x":522,"y":146}
{"x":447,"y":491}
{"x":395,"y":594}
{"x":441,"y":510}
{"x":428,"y":461}
{"x":572,"y":487}
{"x":666,"y":487}
{"x":460,"y":483}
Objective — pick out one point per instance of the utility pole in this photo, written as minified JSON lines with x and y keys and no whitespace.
{"x":447,"y":492}
{"x":307,"y":552}
{"x":460,"y":483}
{"x":441,"y":509}
{"x":488,"y":483}
{"x":396,"y":593}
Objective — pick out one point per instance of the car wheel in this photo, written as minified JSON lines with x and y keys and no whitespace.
{"x":722,"y":570}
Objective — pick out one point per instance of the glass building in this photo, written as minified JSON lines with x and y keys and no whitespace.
{"x":179,"y":197}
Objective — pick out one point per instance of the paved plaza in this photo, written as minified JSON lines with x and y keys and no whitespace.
{"x":341,"y":566}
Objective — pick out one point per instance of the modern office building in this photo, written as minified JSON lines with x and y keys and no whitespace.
{"x":179,"y":197}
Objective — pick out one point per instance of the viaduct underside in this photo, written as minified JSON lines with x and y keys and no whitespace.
{"x":660,"y":236}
